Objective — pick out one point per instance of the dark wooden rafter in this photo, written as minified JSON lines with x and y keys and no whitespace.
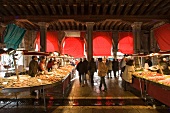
{"x":67,"y":25}
{"x":73,"y":14}
{"x":105,"y":8}
{"x":62,"y":24}
{"x":90,"y":9}
{"x":155,"y":5}
{"x":82,"y":9}
{"x":113,"y":8}
{"x":60,"y":9}
{"x":143,"y":8}
{"x":98,"y":9}
{"x":163,"y":8}
{"x":31,"y":9}
{"x":118,"y":23}
{"x":128,"y":7}
{"x":150,"y":8}
{"x":37,"y":7}
{"x":58,"y":25}
{"x":8,"y":9}
{"x":52,"y":7}
{"x":112,"y":25}
{"x":68,"y":9}
{"x":120,"y":8}
{"x":108,"y":25}
{"x":136,"y":8}
{"x":77,"y":25}
{"x":75,"y":9}
{"x":121,"y":26}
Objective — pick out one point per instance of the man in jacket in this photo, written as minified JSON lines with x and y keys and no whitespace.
{"x":80,"y":69}
{"x":33,"y":66}
{"x":92,"y":68}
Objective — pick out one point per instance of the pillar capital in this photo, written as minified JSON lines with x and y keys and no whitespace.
{"x":90,"y":24}
{"x":136,"y":25}
{"x":43,"y":24}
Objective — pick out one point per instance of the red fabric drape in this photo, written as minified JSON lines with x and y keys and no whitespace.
{"x":162,"y":36}
{"x":125,"y":44}
{"x":102,"y":43}
{"x":73,"y":46}
{"x":52,"y":42}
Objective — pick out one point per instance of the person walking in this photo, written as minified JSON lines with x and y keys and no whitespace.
{"x":122,"y":65}
{"x":85,"y":65}
{"x":115,"y":66}
{"x":92,"y":68}
{"x":102,"y":72}
{"x":80,"y":70}
{"x":109,"y":65}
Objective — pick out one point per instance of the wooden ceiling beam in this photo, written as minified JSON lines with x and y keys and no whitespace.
{"x":90,"y":9}
{"x":45,"y":9}
{"x":120,"y":8}
{"x":15,"y":7}
{"x":112,"y":25}
{"x":127,"y":9}
{"x":86,"y":18}
{"x":9,"y":9}
{"x":31,"y":9}
{"x":136,"y":8}
{"x":143,"y":8}
{"x":53,"y":9}
{"x":112,"y":8}
{"x":105,"y":8}
{"x":82,"y":9}
{"x":60,"y":9}
{"x":107,"y":25}
{"x":75,"y":9}
{"x":68,"y":9}
{"x":98,"y":9}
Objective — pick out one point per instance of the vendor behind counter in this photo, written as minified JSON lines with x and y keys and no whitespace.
{"x":164,"y":66}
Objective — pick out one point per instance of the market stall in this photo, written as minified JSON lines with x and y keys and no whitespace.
{"x":20,"y":83}
{"x":153,"y":84}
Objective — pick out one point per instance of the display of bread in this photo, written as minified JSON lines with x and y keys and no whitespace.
{"x":41,"y":79}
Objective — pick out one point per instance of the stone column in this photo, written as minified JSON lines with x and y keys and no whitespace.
{"x":136,"y":27}
{"x":89,"y":39}
{"x":43,"y":39}
{"x":115,"y":43}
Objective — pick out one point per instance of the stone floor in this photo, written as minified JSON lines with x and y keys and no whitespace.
{"x":87,"y":99}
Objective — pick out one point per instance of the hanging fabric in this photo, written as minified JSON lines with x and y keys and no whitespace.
{"x":13,"y":36}
{"x":162,"y":36}
{"x":125,"y":44}
{"x":102,"y":43}
{"x":52,"y":41}
{"x":73,"y":46}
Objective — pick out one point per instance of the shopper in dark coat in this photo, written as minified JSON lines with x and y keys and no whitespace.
{"x":80,"y":69}
{"x":115,"y":66}
{"x":92,"y":68}
{"x":33,"y":66}
{"x":85,"y":65}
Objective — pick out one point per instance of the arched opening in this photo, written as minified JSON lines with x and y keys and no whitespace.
{"x":102,"y":43}
{"x":125,"y":44}
{"x":52,"y":42}
{"x":73,"y":46}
